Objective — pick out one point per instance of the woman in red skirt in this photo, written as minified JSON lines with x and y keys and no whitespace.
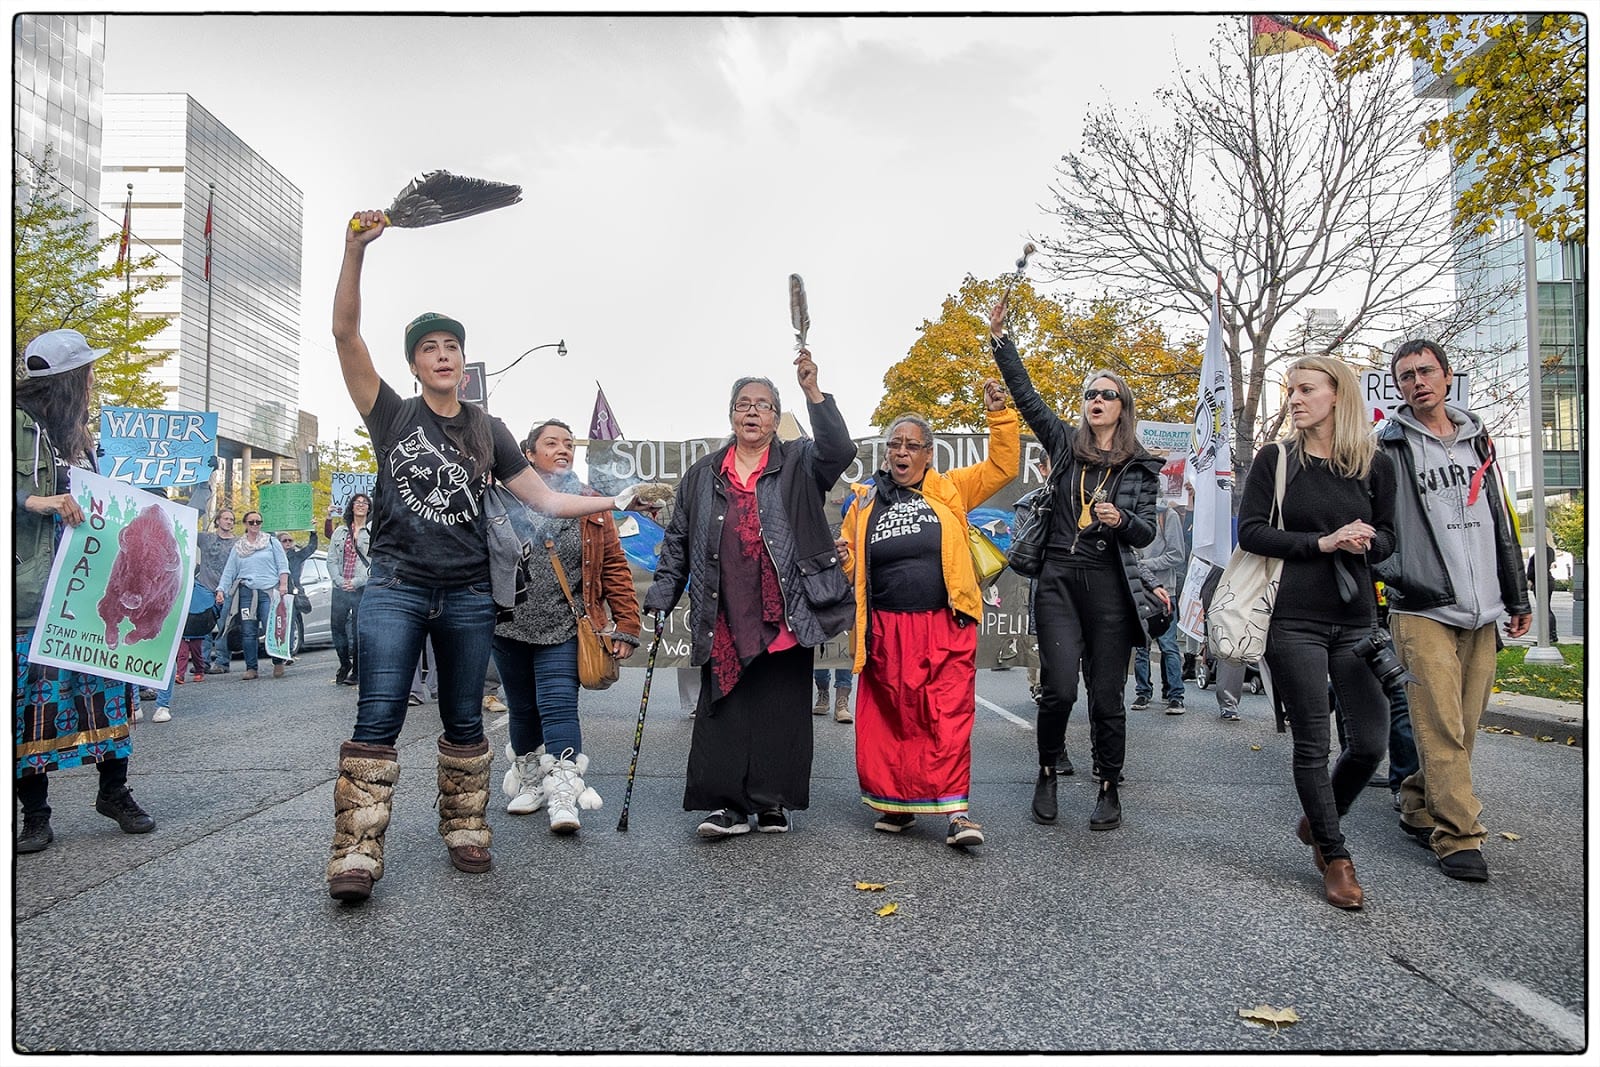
{"x":917,"y":612}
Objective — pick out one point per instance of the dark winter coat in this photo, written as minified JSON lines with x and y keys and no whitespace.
{"x":790,"y":494}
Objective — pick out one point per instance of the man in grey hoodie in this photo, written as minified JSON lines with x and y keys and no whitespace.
{"x":1455,"y":572}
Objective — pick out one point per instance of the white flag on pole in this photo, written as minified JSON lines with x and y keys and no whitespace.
{"x":1210,"y":471}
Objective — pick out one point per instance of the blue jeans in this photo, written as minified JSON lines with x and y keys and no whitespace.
{"x":249,"y":628}
{"x":540,"y":686}
{"x":396,"y":617}
{"x":1171,"y":667}
{"x":841,"y":678}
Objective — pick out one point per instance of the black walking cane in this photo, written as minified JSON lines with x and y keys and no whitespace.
{"x":638,"y":731}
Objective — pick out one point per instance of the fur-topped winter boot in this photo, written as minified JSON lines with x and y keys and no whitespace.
{"x":463,"y":799}
{"x":564,"y":791}
{"x":523,"y":781}
{"x":363,"y":796}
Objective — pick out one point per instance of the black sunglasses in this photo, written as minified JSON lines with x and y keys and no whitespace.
{"x":1103,"y":394}
{"x":252,"y":522}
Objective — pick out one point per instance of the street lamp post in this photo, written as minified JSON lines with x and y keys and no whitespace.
{"x":559,"y":346}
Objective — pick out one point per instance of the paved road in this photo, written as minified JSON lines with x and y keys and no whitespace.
{"x":215,"y":932}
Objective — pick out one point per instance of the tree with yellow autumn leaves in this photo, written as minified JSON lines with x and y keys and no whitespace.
{"x":942,"y":374}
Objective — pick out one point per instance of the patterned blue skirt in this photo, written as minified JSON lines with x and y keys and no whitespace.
{"x":66,"y":718}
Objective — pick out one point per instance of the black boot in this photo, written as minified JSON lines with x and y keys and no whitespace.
{"x":1107,"y":814}
{"x":1044,"y":796}
{"x":36,"y":834}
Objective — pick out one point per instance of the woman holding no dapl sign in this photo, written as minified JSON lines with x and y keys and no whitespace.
{"x":64,"y":718}
{"x":429,"y":577}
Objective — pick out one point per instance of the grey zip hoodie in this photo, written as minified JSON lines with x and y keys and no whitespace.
{"x":1463,"y":532}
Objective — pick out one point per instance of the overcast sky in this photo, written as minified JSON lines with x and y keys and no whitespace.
{"x":674,"y":172}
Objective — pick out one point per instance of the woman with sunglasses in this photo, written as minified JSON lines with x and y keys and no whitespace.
{"x":1089,"y":598}
{"x":429,"y":577}
{"x":917,"y":611}
{"x":259,"y":564}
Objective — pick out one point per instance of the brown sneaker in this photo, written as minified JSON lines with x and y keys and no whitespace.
{"x":277,"y":670}
{"x":248,"y":675}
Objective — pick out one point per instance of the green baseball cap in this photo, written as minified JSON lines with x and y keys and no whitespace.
{"x":427,"y":323}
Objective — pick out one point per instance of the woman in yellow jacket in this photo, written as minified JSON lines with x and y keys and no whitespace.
{"x":917,"y":614}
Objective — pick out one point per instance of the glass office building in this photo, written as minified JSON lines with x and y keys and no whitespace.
{"x":58,"y":71}
{"x":234,"y":343}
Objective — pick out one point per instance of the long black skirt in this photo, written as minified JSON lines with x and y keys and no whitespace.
{"x":751,"y":750}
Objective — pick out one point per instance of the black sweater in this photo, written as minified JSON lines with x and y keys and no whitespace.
{"x":1317,"y":502}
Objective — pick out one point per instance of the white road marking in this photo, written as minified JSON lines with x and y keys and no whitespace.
{"x":1004,"y":714}
{"x":1539,"y":1008}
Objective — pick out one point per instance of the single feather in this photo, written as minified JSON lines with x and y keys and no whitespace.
{"x":799,"y":312}
{"x":439,"y":196}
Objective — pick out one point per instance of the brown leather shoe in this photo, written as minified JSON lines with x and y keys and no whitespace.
{"x":1340,"y":885}
{"x":1303,"y":832}
{"x":248,"y":675}
{"x":277,"y":670}
{"x":474,"y":859}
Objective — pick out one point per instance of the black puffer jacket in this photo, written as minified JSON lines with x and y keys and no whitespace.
{"x":818,"y":601}
{"x":1133,"y":491}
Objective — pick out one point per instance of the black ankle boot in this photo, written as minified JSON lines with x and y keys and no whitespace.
{"x":1044,"y":796}
{"x":1107,"y":814}
{"x":36,"y":834}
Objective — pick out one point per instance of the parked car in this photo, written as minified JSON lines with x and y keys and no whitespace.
{"x":313,"y":629}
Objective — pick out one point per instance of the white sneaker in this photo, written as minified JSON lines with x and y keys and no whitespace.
{"x":162,"y":714}
{"x":138,"y":713}
{"x":524,"y":782}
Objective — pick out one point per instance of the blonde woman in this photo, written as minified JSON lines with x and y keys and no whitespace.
{"x":1338,"y":518}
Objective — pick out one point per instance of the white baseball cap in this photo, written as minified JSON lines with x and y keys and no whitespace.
{"x":57,"y":352}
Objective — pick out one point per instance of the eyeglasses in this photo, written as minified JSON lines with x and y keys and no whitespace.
{"x":1102,"y":394}
{"x":746,"y":406}
{"x":1410,"y":376}
{"x":252,"y":522}
{"x":900,"y":444}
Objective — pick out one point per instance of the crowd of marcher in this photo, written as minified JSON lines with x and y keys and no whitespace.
{"x":1416,"y":511}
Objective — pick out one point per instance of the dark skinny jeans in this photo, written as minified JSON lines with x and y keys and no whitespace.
{"x":1303,"y":655}
{"x":1084,"y":615}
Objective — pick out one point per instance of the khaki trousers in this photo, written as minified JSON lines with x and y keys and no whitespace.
{"x":1455,"y":671}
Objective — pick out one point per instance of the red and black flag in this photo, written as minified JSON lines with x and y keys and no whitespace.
{"x":1272,"y":35}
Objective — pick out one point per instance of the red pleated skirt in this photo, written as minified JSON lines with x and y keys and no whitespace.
{"x":914,"y":711}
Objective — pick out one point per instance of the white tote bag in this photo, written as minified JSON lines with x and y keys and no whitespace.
{"x":1241,"y":607}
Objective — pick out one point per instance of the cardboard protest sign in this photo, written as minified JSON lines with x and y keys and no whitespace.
{"x":346,"y":484}
{"x":150,"y":448}
{"x":118,"y":593}
{"x":285,"y":506}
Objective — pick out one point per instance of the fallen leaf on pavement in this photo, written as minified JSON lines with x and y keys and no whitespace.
{"x":1267,"y":1015}
{"x":888,"y":909}
{"x":1255,"y":748}
{"x":871,"y":887}
{"x":1509,"y":836}
{"x":1543,"y":737}
{"x":1571,"y":741}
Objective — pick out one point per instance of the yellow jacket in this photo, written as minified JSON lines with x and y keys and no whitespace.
{"x":951,"y":495}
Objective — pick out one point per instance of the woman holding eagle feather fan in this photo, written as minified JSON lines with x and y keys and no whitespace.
{"x":429,"y":577}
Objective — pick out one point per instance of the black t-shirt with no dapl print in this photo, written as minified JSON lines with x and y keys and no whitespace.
{"x":427,"y":512}
{"x":903,"y":554}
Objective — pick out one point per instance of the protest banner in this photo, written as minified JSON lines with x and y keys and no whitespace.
{"x":285,"y":506}
{"x":152,"y":448}
{"x":345,"y":484}
{"x":118,"y":593}
{"x":1170,"y":442}
{"x":1003,"y":639}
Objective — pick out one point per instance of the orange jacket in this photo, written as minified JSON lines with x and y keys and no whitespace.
{"x":951,"y":495}
{"x":607,"y":579}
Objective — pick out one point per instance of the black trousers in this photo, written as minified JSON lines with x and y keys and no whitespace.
{"x":1085,"y":618}
{"x":1303,"y":656}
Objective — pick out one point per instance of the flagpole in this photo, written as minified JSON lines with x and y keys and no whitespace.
{"x":210,"y":197}
{"x":125,"y":256}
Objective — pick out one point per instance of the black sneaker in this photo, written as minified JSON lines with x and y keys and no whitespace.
{"x":122,"y":807}
{"x":1422,"y":835}
{"x":775,"y":821}
{"x":892,"y":822}
{"x":1230,"y":715}
{"x":36,"y":834}
{"x":1175,"y":706}
{"x":1466,"y":865}
{"x":1139,"y":704}
{"x":724,"y":823}
{"x":1064,"y":765}
{"x":963,"y":833}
